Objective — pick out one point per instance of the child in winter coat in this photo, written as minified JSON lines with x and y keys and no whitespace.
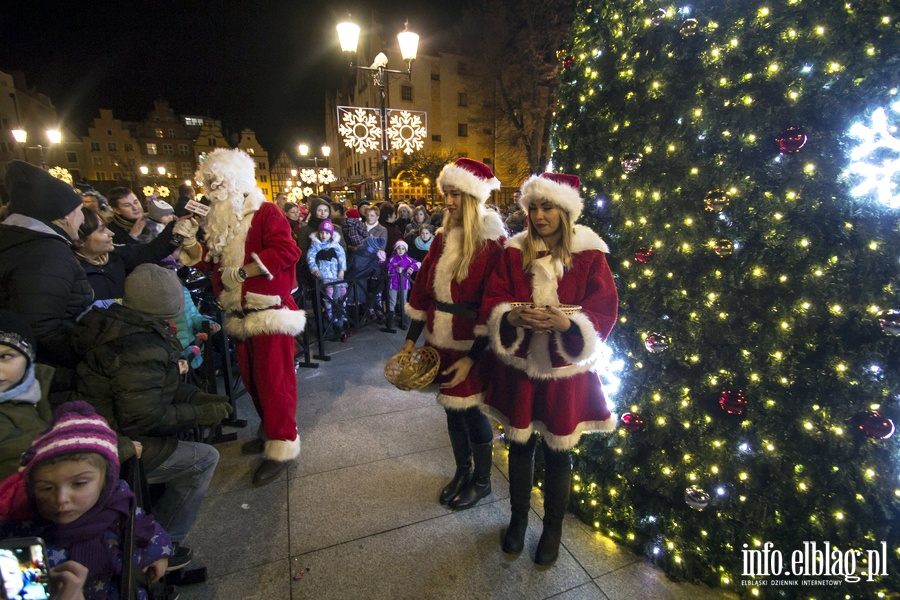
{"x":401,"y":267}
{"x":188,"y":329}
{"x":328,"y":262}
{"x":24,"y":385}
{"x":69,"y":493}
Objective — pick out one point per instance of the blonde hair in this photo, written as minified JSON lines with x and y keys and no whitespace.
{"x":533,"y":242}
{"x":472,"y":234}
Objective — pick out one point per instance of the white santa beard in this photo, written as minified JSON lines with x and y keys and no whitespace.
{"x":222,"y":223}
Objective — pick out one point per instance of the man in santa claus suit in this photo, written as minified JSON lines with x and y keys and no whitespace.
{"x":252,"y":257}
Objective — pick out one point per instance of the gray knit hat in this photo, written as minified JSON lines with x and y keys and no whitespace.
{"x":154,"y":291}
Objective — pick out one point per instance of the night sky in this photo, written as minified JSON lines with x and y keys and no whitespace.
{"x":263,"y":65}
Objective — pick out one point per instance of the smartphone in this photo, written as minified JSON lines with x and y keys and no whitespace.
{"x":23,"y":567}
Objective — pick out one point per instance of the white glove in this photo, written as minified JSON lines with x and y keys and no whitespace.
{"x":187,"y":229}
{"x":230,"y":278}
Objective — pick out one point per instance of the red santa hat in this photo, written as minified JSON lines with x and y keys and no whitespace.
{"x":401,"y":244}
{"x":559,"y":188}
{"x":353,"y":214}
{"x":469,"y":176}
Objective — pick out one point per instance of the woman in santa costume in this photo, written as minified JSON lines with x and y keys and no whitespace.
{"x":445,"y":301}
{"x":545,"y":380}
{"x":252,"y":256}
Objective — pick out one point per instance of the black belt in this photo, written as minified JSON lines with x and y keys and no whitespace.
{"x":468,"y":310}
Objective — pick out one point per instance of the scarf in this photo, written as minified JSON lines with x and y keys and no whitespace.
{"x":84,"y":537}
{"x":28,"y":390}
{"x":422,"y":245}
{"x":98,"y":262}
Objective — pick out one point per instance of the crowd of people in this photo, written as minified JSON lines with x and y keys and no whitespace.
{"x":98,"y":335}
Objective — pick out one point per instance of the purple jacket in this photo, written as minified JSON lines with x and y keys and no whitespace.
{"x":398,"y":264}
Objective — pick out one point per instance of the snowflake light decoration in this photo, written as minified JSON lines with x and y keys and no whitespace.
{"x":359,"y":128}
{"x":326,"y":176}
{"x":61,"y":173}
{"x":875,"y":162}
{"x":307,"y":175}
{"x":407,"y":130}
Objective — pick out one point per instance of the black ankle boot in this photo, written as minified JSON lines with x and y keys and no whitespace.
{"x":462,"y":452}
{"x":521,"y":475}
{"x":557,"y":481}
{"x":480,"y":484}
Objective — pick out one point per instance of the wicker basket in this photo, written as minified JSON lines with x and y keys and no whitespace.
{"x":567,"y":309}
{"x":413,"y":370}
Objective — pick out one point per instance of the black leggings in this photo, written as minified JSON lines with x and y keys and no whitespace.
{"x":473,"y":421}
{"x":556,"y":460}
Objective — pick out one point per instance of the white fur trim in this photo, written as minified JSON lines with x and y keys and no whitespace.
{"x":441,"y":333}
{"x":589,"y":337}
{"x":554,"y":442}
{"x":481,"y":330}
{"x":460,"y":402}
{"x":262,"y":267}
{"x":256,"y":301}
{"x":492,"y":227}
{"x":493,"y":326}
{"x":282,"y":450}
{"x":415,"y":313}
{"x":564,"y":196}
{"x":583,"y":238}
{"x":279,"y":320}
{"x":545,"y":275}
{"x":468,"y":182}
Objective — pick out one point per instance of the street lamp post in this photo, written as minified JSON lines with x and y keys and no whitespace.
{"x":348,"y":33}
{"x":21,"y":136}
{"x":304,"y":150}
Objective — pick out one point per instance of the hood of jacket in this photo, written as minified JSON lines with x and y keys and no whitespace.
{"x":12,"y":235}
{"x":103,"y":325}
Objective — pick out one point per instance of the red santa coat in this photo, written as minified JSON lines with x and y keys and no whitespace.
{"x":548,"y":382}
{"x":452,"y":335}
{"x":261,"y":305}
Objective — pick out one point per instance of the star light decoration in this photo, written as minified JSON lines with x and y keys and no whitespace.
{"x":875,"y":162}
{"x":407,"y":131}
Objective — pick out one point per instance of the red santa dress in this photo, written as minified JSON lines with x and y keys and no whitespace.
{"x":263,"y":318}
{"x":548,"y":382}
{"x":452,"y":335}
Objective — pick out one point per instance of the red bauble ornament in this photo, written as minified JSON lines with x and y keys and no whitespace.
{"x":733,"y":402}
{"x":632,"y":422}
{"x":791,"y":140}
{"x":568,"y":62}
{"x":873,"y":424}
{"x":644,"y":254}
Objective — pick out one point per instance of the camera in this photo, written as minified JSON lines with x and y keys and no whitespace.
{"x":23,"y":568}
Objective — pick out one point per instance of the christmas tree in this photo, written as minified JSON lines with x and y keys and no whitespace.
{"x":743,"y":161}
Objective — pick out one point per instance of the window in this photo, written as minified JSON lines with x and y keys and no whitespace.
{"x":98,"y":161}
{"x":117,"y":176}
{"x":128,"y":147}
{"x":168,"y":149}
{"x":170,"y":170}
{"x":265,"y":191}
{"x":406,"y":92}
{"x":159,"y":132}
{"x":4,"y":122}
{"x":111,"y":146}
{"x":95,"y":146}
{"x":464,"y":155}
{"x":261,"y":165}
{"x":462,"y":68}
{"x":435,"y":76}
{"x":462,"y":130}
{"x":486,"y":161}
{"x":151,"y":148}
{"x":462,"y":99}
{"x":488,"y":131}
{"x":187,"y":169}
{"x":193,"y":122}
{"x":263,"y":179}
{"x":109,"y":132}
{"x":183,"y":149}
{"x":212,"y":142}
{"x":171,"y":133}
{"x":436,"y":138}
{"x":72,"y":157}
{"x":101,"y":176}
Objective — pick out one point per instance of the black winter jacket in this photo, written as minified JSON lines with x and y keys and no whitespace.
{"x":130,"y":374}
{"x":41,"y":280}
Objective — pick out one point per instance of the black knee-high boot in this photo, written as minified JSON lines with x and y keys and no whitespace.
{"x":557,"y":482}
{"x":480,"y":484}
{"x":521,"y":477}
{"x":462,"y":452}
